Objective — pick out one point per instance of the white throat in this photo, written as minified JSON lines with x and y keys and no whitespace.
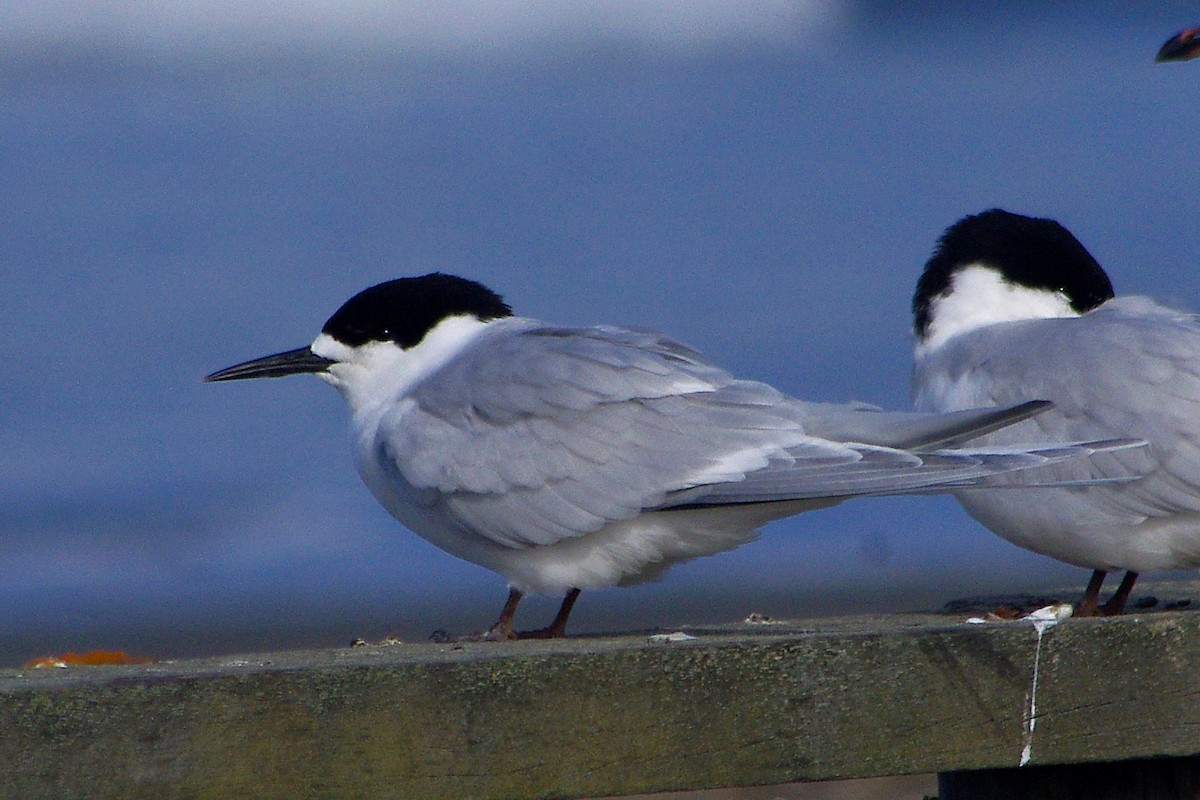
{"x":383,"y":372}
{"x":980,"y":296}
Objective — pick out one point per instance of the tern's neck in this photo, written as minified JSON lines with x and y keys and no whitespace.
{"x":979,"y":296}
{"x":379,"y":373}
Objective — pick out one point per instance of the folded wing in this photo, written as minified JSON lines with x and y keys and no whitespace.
{"x":536,"y":434}
{"x":1131,"y":368}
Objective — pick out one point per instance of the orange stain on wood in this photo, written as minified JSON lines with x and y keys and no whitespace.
{"x":89,"y":658}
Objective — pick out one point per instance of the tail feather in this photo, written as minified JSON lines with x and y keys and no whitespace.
{"x":914,"y":430}
{"x":885,"y":471}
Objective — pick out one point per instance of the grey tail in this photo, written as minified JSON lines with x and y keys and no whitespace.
{"x":912,"y":430}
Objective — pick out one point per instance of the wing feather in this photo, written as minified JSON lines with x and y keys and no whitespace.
{"x":1128,"y":369}
{"x":534,"y":434}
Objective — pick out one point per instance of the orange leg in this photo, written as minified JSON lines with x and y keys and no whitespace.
{"x":503,"y":629}
{"x":558,"y":628}
{"x":1089,"y":604}
{"x":1116,"y":604}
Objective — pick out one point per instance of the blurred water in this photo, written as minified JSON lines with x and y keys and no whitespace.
{"x":770,"y":200}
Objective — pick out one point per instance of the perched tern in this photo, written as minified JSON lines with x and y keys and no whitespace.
{"x":575,"y":458}
{"x":1010,"y":307}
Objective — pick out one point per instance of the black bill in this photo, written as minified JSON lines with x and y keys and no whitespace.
{"x":292,"y":362}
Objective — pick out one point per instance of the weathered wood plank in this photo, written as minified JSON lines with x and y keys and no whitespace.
{"x":739,"y":705}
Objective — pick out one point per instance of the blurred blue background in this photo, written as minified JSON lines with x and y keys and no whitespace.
{"x":193,"y":186}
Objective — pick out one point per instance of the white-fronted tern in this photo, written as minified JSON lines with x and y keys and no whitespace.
{"x":1011,"y":307}
{"x":574,"y":458}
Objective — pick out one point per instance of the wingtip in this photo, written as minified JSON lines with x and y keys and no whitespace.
{"x":1037,"y":406}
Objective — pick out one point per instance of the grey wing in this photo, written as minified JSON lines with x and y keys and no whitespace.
{"x":884,"y":471}
{"x":536,"y":434}
{"x":1128,"y":369}
{"x":909,"y":430}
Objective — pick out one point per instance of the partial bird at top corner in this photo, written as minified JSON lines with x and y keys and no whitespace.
{"x":1183,"y":46}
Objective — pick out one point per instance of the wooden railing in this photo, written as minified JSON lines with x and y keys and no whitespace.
{"x":1110,"y":703}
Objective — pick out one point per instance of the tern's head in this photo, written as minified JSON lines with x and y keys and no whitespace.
{"x":1001,"y":267}
{"x":385,"y":337}
{"x":1183,"y":46}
